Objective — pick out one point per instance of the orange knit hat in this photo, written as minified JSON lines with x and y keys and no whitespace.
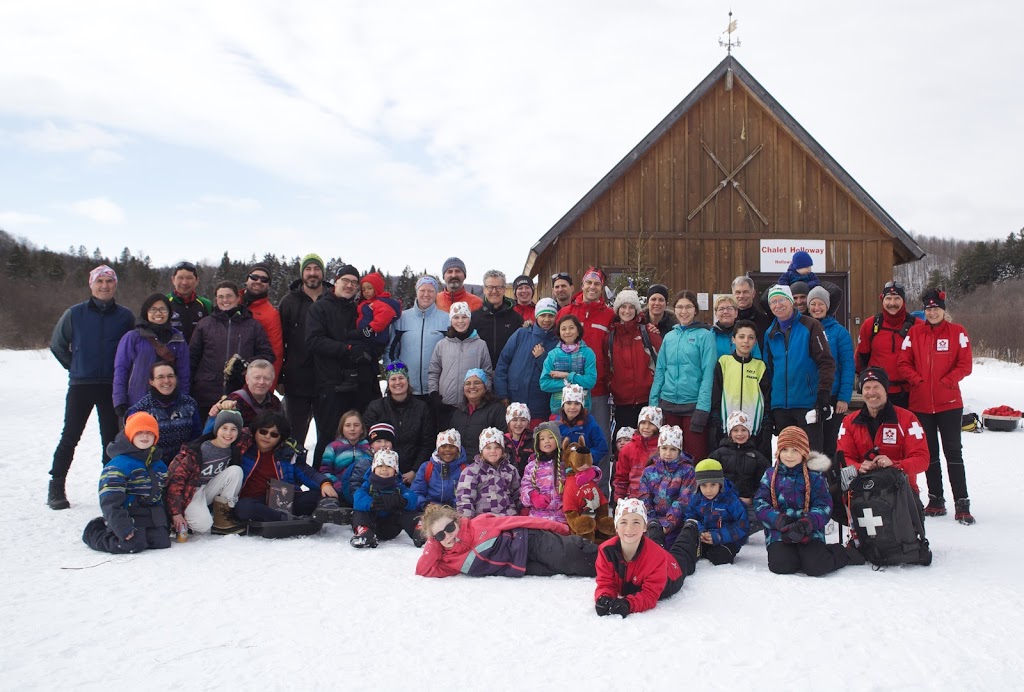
{"x":141,"y":422}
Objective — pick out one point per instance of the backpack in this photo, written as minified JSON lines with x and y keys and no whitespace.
{"x":645,"y":339}
{"x":908,"y":322}
{"x":887,"y":519}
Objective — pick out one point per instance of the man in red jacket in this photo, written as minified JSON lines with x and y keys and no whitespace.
{"x":255,"y":296}
{"x":881,"y":337}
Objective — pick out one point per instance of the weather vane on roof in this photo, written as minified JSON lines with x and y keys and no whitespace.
{"x":728,"y":42}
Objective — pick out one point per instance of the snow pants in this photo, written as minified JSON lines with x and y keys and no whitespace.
{"x":78,"y":405}
{"x":252,"y":509}
{"x":549,"y":553}
{"x":225,"y":484}
{"x":695,"y":444}
{"x":684,"y":550}
{"x":387,"y":525}
{"x":815,"y":559}
{"x":722,"y":554}
{"x":98,"y":537}
{"x":946,"y":425}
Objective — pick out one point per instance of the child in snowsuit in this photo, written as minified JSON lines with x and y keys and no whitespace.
{"x":637,"y":454}
{"x":381,"y":436}
{"x":742,"y":464}
{"x":490,"y":483}
{"x":131,"y":492}
{"x":666,"y":486}
{"x":438,"y":477}
{"x":377,"y":311}
{"x":799,"y":270}
{"x":794,"y":505}
{"x":634,"y":572}
{"x":719,"y":514}
{"x":518,"y":437}
{"x":383,"y":504}
{"x":351,"y":450}
{"x":544,"y":476}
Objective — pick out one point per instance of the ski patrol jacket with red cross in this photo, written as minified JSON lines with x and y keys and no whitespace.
{"x":898,"y":435}
{"x":881,"y":348}
{"x":597,"y":319}
{"x":933,"y":361}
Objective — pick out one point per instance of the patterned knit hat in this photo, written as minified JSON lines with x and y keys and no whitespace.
{"x":102,"y":270}
{"x":397,"y":367}
{"x":625,"y":433}
{"x":141,"y":422}
{"x":651,"y":414}
{"x":449,"y":437}
{"x":709,"y":471}
{"x":574,"y":392}
{"x":516,"y":410}
{"x":738,"y":418}
{"x":489,"y":435}
{"x":780,"y":291}
{"x":546,"y":306}
{"x":428,"y":279}
{"x":460,"y":308}
{"x":381,"y":431}
{"x":796,"y":438}
{"x":630,"y":505}
{"x":385,"y":457}
{"x":671,"y":436}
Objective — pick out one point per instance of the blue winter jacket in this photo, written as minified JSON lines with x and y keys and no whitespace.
{"x":596,"y":441}
{"x":724,"y":517}
{"x":413,"y":339}
{"x":800,"y":362}
{"x":363,"y":501}
{"x":85,"y":340}
{"x":517,"y":372}
{"x":131,"y":488}
{"x":841,"y":345}
{"x":789,"y":490}
{"x":686,"y":367}
{"x":442,"y":481}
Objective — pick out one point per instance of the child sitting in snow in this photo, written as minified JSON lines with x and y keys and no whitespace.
{"x":719,"y":514}
{"x":519,"y":437}
{"x":634,"y":572}
{"x":490,"y":483}
{"x":637,"y":454}
{"x":377,"y":311}
{"x":544,"y":477}
{"x":799,"y":270}
{"x":742,"y":464}
{"x":381,"y":436}
{"x":438,"y":477}
{"x":347,"y":453}
{"x":794,"y":504}
{"x":131,"y":492}
{"x":666,"y":486}
{"x":383,"y":505}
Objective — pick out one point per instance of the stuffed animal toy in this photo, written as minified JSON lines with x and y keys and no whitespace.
{"x":586,"y":507}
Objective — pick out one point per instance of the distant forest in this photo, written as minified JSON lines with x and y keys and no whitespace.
{"x":984,"y":280}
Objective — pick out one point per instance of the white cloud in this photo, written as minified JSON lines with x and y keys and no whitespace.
{"x":240,"y":204}
{"x":99,"y":209}
{"x":75,"y":138}
{"x":14,"y":219}
{"x":104,"y":157}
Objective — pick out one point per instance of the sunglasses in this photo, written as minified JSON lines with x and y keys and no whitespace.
{"x":894,"y":284}
{"x":396,"y":365}
{"x":450,"y":528}
{"x":272,"y":434}
{"x":259,"y":277}
{"x":561,"y":275}
{"x":184,"y":265}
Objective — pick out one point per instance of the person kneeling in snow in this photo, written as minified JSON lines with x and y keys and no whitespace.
{"x":384,"y":505}
{"x":634,"y":572}
{"x":131,"y":492}
{"x":492,"y":545}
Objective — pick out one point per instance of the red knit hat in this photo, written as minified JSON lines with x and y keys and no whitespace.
{"x":141,"y":422}
{"x":796,"y":438}
{"x":375,"y":280}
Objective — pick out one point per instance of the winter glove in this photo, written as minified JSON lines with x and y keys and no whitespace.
{"x":824,"y":406}
{"x":768,"y":423}
{"x":377,"y":503}
{"x":435,"y":399}
{"x":698,"y":420}
{"x":782,"y":521}
{"x":798,"y":531}
{"x":603,"y":605}
{"x":539,"y":500}
{"x":121,"y":411}
{"x":393,"y":502}
{"x":620,"y":606}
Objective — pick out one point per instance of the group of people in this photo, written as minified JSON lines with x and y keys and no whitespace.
{"x":481,"y":396}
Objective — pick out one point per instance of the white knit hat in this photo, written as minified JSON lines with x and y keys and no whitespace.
{"x":671,"y":436}
{"x":460,"y":308}
{"x":386,"y":457}
{"x":630,"y":505}
{"x":651,"y":414}
{"x":449,"y":437}
{"x":574,"y":392}
{"x":738,"y":418}
{"x":626,"y":296}
{"x":516,"y":410}
{"x":489,"y":435}
{"x":783,"y":291}
{"x":625,"y":432}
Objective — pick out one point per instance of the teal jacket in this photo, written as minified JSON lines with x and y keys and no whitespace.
{"x":686,"y":367}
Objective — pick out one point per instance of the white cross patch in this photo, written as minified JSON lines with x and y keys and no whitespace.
{"x":906,"y":343}
{"x":869,"y":522}
{"x":842,"y":431}
{"x":964,"y":340}
{"x":916,"y":430}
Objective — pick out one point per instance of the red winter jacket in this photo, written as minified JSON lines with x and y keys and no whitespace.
{"x":642,"y":580}
{"x":933,"y":361}
{"x":882,"y":348}
{"x":631,"y":375}
{"x":597,"y":319}
{"x":630,"y":465}
{"x":268,"y":316}
{"x":899,"y":437}
{"x":526,"y":311}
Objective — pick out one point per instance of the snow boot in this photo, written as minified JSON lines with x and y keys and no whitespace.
{"x":56,"y":498}
{"x":417,"y":533}
{"x":364,"y":537}
{"x":936,"y":506}
{"x":856,"y":558}
{"x":963,"y":512}
{"x":223,"y":524}
{"x":329,"y":511}
{"x":655,"y":532}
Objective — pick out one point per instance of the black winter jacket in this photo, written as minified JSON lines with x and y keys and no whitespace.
{"x":743,"y":465}
{"x":413,"y":422}
{"x":335,"y":343}
{"x":298,"y":375}
{"x":495,"y":326}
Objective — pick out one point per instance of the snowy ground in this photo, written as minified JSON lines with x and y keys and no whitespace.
{"x":234,"y":613}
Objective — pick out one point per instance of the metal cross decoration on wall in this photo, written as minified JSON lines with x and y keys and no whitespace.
{"x":729,"y":180}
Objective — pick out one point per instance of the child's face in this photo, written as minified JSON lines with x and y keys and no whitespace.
{"x":144,"y":439}
{"x":447,"y":453}
{"x":631,"y":528}
{"x":227,"y":434}
{"x":516,"y":426}
{"x":567,"y":332}
{"x":546,"y":321}
{"x":744,"y":340}
{"x":546,"y":442}
{"x":492,"y":453}
{"x":790,"y":457}
{"x":647,"y":428}
{"x":620,"y":443}
{"x":668,"y":452}
{"x":352,"y":429}
{"x":368,"y":292}
{"x":739,"y":434}
{"x":804,"y":271}
{"x":710,"y":490}
{"x":572,"y":409}
{"x":384,"y":471}
{"x":381,"y":444}
{"x":441,"y":524}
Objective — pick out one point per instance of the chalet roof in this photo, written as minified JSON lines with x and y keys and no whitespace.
{"x":788,"y":121}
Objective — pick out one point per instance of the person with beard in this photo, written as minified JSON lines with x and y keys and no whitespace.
{"x":453,"y":273}
{"x":880,"y":340}
{"x":176,"y":413}
{"x":152,"y":340}
{"x":296,"y":375}
{"x":230,"y":330}
{"x":745,"y":293}
{"x":561,"y":288}
{"x":256,"y":297}
{"x":187,"y":306}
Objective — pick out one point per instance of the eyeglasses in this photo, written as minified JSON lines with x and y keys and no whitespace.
{"x":272,"y":434}
{"x":184,"y":265}
{"x":172,"y":376}
{"x":725,"y":308}
{"x":349,"y":282}
{"x":775,"y":302}
{"x":565,"y":276}
{"x":259,"y":277}
{"x":158,"y":310}
{"x":494,"y":289}
{"x":450,"y":528}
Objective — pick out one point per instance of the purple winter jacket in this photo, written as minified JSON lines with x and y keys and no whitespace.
{"x":136,"y":355}
{"x":486,"y":489}
{"x":539,"y":476}
{"x":216,"y":338}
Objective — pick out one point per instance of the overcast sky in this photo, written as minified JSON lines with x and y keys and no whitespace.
{"x":401,"y":133}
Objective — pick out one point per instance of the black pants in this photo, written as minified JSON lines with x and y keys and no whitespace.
{"x":785,"y":417}
{"x":901,"y":399}
{"x":722,"y":554}
{"x":815,"y":559}
{"x":549,"y":553}
{"x":948,"y":425}
{"x":830,"y":431}
{"x":684,"y":550}
{"x":252,"y":509}
{"x":330,"y":406}
{"x":299,"y":412}
{"x":80,"y":401}
{"x":98,"y":537}
{"x":387,"y":525}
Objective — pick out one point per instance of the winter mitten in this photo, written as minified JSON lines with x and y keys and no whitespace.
{"x":824,"y":407}
{"x":620,"y":606}
{"x":539,"y":500}
{"x":782,"y":521}
{"x":377,"y":503}
{"x":393,"y":502}
{"x":798,"y":531}
{"x":121,"y":411}
{"x":603,"y":605}
{"x":698,"y":420}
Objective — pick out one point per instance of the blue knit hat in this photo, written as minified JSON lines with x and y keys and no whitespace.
{"x":801,"y":259}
